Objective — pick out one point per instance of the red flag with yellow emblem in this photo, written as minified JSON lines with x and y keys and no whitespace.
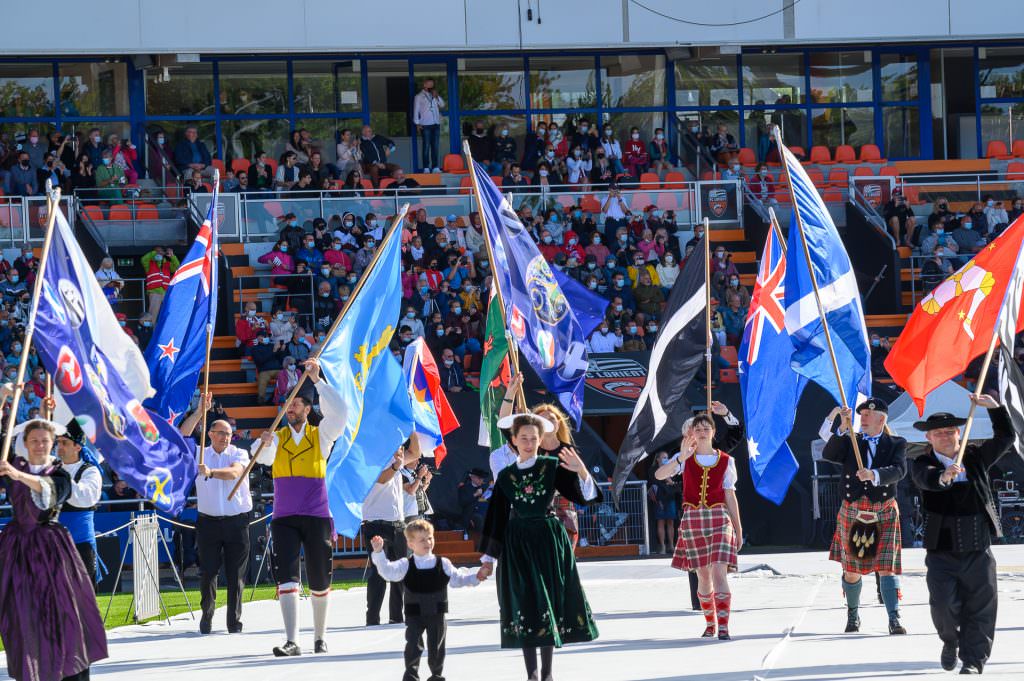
{"x":954,"y":323}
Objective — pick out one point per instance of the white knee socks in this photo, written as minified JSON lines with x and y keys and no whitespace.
{"x":288,"y":595}
{"x":321,"y":599}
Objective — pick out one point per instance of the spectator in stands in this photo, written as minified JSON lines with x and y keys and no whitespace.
{"x":667,"y":270}
{"x":401,"y":181}
{"x":968,"y":241}
{"x":298,"y":346}
{"x":191,"y":155}
{"x":413,"y":322}
{"x":997,"y":217}
{"x":267,"y":357}
{"x":651,"y":334}
{"x":978,"y":219}
{"x":648,"y":247}
{"x":612,"y":150}
{"x":310,"y":253}
{"x":35,"y":148}
{"x":473,"y":236}
{"x":281,"y":262}
{"x":161,"y":158}
{"x":734,"y":316}
{"x":350,"y":154}
{"x":110,"y":281}
{"x":640,"y":264}
{"x":291,"y":232}
{"x":636,"y":156}
{"x":23,"y":179}
{"x":473,"y":500}
{"x":900,"y":218}
{"x":515,"y":178}
{"x":337,"y":255}
{"x":659,"y":153}
{"x":722,"y":267}
{"x":59,"y":176}
{"x":261,"y":177}
{"x":453,"y":378}
{"x":282,"y":326}
{"x":632,"y":338}
{"x":286,"y":380}
{"x":571,"y":247}
{"x":144,"y":331}
{"x":376,"y":150}
{"x":580,"y":165}
{"x":603,"y":173}
{"x":879,"y":351}
{"x":504,"y":147}
{"x":547,"y":246}
{"x":1015,"y":211}
{"x":723,"y":146}
{"x":938,"y":240}
{"x":82,"y":175}
{"x":650,"y":299}
{"x":302,"y":148}
{"x":318,"y":171}
{"x":598,"y":249}
{"x":615,"y":211}
{"x":546,"y":177}
{"x":353,"y":185}
{"x":427,"y":117}
{"x":287,"y":171}
{"x":109,"y":178}
{"x":159,"y":265}
{"x":603,"y":340}
{"x":365,"y":254}
{"x":124,"y":156}
{"x":734,"y":287}
{"x":935,"y":269}
{"x":482,"y":148}
{"x":248,"y":326}
{"x":733,"y":172}
{"x":94,"y":147}
{"x":325,"y":307}
{"x":762,"y":186}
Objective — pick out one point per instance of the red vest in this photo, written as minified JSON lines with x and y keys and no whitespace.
{"x":702,"y":486}
{"x":159,"y":275}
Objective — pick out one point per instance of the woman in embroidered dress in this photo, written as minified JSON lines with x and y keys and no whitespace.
{"x":710,"y":532}
{"x":539,"y":592}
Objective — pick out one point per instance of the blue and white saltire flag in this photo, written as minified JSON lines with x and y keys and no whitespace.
{"x":538,"y":314}
{"x":72,"y":325}
{"x":770,"y":387}
{"x":357,"y":362}
{"x":177,"y":351}
{"x":840,"y":298}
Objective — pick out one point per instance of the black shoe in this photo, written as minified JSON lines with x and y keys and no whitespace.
{"x":723,"y":634}
{"x":396,"y":621}
{"x":289,"y":649}
{"x":435,"y":678}
{"x":895,"y":627}
{"x":970,"y":668}
{"x":205,"y":625}
{"x":319,"y":646}
{"x":948,"y":657}
{"x":852,"y":620}
{"x":235,"y":628}
{"x":373,"y":623}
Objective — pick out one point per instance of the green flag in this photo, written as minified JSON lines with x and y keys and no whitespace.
{"x":494,"y":374}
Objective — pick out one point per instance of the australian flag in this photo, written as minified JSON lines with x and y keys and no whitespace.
{"x":143,"y":449}
{"x":840,"y":299}
{"x":538,"y":314}
{"x":176,"y":353}
{"x":770,"y":388}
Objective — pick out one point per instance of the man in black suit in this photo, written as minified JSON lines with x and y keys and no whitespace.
{"x":960,"y":518}
{"x":867,"y":536}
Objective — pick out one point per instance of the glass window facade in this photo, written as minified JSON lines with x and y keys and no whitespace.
{"x":898,"y":75}
{"x":93,"y":89}
{"x":834,"y":126}
{"x":26,"y":90}
{"x":773,"y":79}
{"x":633,"y":81}
{"x":841,"y":77}
{"x":486,"y":84}
{"x":563,"y":83}
{"x":249,"y":88}
{"x":1001,"y":72}
{"x":183,"y":90}
{"x":706,"y":82}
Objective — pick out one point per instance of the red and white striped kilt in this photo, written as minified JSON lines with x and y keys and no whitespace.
{"x":706,"y":536}
{"x":887,"y":557}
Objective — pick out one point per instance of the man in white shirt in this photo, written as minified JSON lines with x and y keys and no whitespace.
{"x":86,"y":489}
{"x":426,"y":114}
{"x":302,"y":518}
{"x":222,"y":529}
{"x":383,"y":516}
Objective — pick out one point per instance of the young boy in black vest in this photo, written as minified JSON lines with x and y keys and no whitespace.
{"x":426,"y":579}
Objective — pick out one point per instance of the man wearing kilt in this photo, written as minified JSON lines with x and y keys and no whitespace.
{"x":867,"y":536}
{"x":710,"y":532}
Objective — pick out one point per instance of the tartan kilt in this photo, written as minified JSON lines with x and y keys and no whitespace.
{"x":706,"y":536}
{"x":888,"y":557}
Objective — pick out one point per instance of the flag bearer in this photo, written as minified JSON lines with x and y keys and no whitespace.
{"x":76,"y":514}
{"x":867,"y":536}
{"x":302,"y":519}
{"x":960,"y":519}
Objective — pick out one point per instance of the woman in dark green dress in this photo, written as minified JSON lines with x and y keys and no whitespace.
{"x":539,"y":592}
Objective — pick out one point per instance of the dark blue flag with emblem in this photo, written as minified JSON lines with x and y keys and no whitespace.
{"x":538,"y":315}
{"x":148,"y":453}
{"x":177,"y":351}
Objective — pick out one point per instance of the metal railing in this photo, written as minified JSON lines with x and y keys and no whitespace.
{"x":23,"y":219}
{"x":604,"y":525}
{"x":300,"y":291}
{"x":979,"y":184}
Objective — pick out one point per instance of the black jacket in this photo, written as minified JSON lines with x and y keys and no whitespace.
{"x":957,"y":507}
{"x":890,"y":461}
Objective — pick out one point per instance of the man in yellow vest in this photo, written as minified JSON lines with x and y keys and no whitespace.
{"x":302,"y":519}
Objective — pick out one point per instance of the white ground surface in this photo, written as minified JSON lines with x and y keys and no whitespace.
{"x":784,"y":627}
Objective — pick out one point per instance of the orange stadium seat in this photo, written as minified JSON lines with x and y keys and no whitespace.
{"x":846,"y":154}
{"x":820,"y":154}
{"x":997,"y":149}
{"x":869,"y":153}
{"x":747,"y":158}
{"x":454,"y":164}
{"x":120,"y":211}
{"x":839,"y":177}
{"x":1018,"y":149}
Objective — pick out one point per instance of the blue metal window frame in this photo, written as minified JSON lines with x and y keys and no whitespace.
{"x":979,"y":101}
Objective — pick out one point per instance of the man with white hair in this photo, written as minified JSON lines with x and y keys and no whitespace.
{"x":222,"y":529}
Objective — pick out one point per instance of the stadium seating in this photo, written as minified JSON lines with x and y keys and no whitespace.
{"x":454,"y":165}
{"x":869,"y":153}
{"x":820,"y":155}
{"x":846,"y":154}
{"x":997,"y":149}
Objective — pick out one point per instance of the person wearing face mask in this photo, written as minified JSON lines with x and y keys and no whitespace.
{"x":667,"y":270}
{"x":453,"y":377}
{"x":427,"y":117}
{"x":585,"y":136}
{"x":268,"y":358}
{"x":580,"y":165}
{"x":659,"y":152}
{"x":35,"y":149}
{"x":723,"y":146}
{"x":733,"y":172}
{"x":597,"y":249}
{"x":968,"y":240}
{"x":248,"y":326}
{"x":159,"y":264}
{"x":612,"y":150}
{"x":615,"y":212}
{"x":632,"y":338}
{"x":722,"y":267}
{"x":641,"y":265}
{"x":505,"y":148}
{"x":734,"y":287}
{"x":94,"y":147}
{"x":110,"y":281}
{"x":23,"y":179}
{"x":160,"y":157}
{"x":603,"y":339}
{"x":109,"y":178}
{"x":636,"y":157}
{"x":546,"y":175}
{"x":481,"y":147}
{"x":310,"y":253}
{"x":996,"y":217}
{"x":282,"y":326}
{"x":935,"y":269}
{"x":281,"y":262}
{"x":547,"y":246}
{"x":144,"y":331}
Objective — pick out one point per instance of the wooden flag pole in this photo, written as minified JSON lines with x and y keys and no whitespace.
{"x":977,"y":394}
{"x":817,"y":298}
{"x":709,"y":340}
{"x":209,"y":318}
{"x":53,"y":205}
{"x":46,"y":411}
{"x":396,"y":227}
{"x":777,"y":229}
{"x":519,"y":397}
